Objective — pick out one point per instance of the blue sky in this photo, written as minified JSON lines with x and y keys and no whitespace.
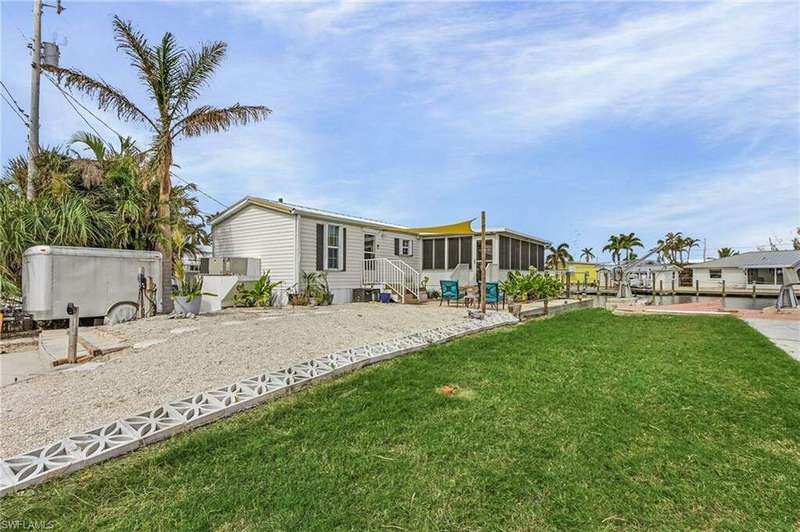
{"x":569,"y":121}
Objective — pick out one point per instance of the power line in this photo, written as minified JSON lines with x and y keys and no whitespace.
{"x":64,"y":94}
{"x":27,"y":124}
{"x":209,"y":196}
{"x":16,"y":104}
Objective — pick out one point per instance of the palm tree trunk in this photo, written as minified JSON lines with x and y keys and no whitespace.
{"x":165,"y":245}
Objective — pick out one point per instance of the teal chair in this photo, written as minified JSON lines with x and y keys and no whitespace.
{"x":493,"y":295}
{"x":450,"y":292}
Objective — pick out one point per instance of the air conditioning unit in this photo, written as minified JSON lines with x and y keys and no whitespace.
{"x":211,"y":265}
{"x":246,"y":267}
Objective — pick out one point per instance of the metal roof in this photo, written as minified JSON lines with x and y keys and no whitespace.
{"x":755,"y":259}
{"x":292,"y":208}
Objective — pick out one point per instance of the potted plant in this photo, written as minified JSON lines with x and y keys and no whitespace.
{"x":188,"y":292}
{"x":423,"y":289}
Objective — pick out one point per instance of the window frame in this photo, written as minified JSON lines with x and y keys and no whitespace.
{"x":337,"y":247}
{"x":715,"y":273}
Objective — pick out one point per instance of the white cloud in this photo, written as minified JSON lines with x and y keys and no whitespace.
{"x":739,"y":207}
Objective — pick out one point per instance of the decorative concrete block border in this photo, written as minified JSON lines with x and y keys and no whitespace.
{"x":125,"y":435}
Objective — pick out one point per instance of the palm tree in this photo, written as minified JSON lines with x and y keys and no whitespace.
{"x":688,"y":244}
{"x":726,"y":252}
{"x":614,"y":247}
{"x":670,"y":246}
{"x":628,"y":242}
{"x":558,"y":256}
{"x":586,"y":253}
{"x":173,"y":77}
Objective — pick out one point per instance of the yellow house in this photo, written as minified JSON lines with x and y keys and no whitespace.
{"x":580,"y":272}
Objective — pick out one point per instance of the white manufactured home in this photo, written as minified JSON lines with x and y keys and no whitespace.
{"x":358,"y":253}
{"x":745,"y":270}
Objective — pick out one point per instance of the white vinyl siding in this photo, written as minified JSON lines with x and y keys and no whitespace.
{"x":340,"y":282}
{"x":260,"y":233}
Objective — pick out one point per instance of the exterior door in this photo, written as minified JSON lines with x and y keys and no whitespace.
{"x":369,"y":251}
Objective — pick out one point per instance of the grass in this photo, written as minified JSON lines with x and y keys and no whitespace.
{"x":585,"y":420}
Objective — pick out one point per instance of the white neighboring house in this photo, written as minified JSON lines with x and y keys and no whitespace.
{"x":762,"y":268}
{"x":457,"y":256}
{"x":291,"y":239}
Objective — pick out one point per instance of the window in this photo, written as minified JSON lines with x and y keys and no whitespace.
{"x":333,"y":247}
{"x":433,"y":254}
{"x":466,"y":250}
{"x":453,"y":255}
{"x":526,"y":256}
{"x":715,"y":274}
{"x":403,"y":247}
{"x":427,"y":254}
{"x":504,"y":253}
{"x":515,"y":247}
{"x":438,"y":254}
{"x":763,"y":276}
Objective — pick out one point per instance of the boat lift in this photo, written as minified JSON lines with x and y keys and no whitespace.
{"x":622,"y":271}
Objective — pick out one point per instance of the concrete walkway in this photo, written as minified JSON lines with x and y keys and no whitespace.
{"x":783,"y":333}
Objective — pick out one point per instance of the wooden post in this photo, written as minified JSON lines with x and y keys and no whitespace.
{"x":483,"y":262}
{"x":754,"y":291}
{"x":568,"y":284}
{"x":723,"y":288}
{"x":697,"y":288}
{"x":72,"y":346}
{"x":673,"y":284}
{"x":661,"y":287}
{"x":653,"y":285}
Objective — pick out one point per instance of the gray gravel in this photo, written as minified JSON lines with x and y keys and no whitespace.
{"x":230,"y":345}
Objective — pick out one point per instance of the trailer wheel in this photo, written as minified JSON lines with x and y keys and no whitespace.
{"x":121,"y":312}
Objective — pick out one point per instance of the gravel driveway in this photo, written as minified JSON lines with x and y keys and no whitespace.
{"x":194,"y":355}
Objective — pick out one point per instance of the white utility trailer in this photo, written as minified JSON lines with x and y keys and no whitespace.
{"x":101,"y":282}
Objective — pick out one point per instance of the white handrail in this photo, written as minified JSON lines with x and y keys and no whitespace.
{"x":395,"y":274}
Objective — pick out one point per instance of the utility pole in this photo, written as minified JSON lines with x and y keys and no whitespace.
{"x":36,"y":74}
{"x":483,"y":262}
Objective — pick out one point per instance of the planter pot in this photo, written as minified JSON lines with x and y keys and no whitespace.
{"x":329,"y":299}
{"x":423,"y":296}
{"x":188,"y":307}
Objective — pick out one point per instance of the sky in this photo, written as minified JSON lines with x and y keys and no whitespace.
{"x":570,"y":121}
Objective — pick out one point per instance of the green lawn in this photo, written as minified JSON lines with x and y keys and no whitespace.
{"x":585,"y":420}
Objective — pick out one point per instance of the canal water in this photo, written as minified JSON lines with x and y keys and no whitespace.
{"x":731,"y":302}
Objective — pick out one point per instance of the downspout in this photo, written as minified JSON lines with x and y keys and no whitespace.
{"x":297,"y":248}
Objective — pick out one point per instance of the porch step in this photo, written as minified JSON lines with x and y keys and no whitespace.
{"x":411,"y":300}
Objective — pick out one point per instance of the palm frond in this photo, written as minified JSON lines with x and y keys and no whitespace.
{"x":136,"y":47}
{"x":106,"y":95}
{"x":196,"y":71}
{"x":169,"y":59}
{"x":207,"y":119}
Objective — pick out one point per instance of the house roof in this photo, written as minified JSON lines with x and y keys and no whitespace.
{"x":293,"y":208}
{"x":755,"y":259}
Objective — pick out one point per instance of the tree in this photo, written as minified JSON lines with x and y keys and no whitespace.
{"x":796,"y":240}
{"x":688,"y":244}
{"x":173,"y":77}
{"x":726,"y":252}
{"x":614,"y":247}
{"x":628,"y":242}
{"x":587,"y":255}
{"x":558,"y":256}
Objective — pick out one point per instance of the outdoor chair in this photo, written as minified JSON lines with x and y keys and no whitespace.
{"x":450,"y":292}
{"x":493,"y":295}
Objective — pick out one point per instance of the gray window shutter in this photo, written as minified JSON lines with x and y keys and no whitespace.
{"x":397,"y":246}
{"x":344,"y":249}
{"x":320,"y":247}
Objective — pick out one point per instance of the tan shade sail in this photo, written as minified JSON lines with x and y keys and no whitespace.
{"x":458,"y":228}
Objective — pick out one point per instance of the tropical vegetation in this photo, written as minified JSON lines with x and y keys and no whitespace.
{"x":622,"y":243}
{"x":257,"y":294}
{"x":726,"y":252}
{"x":558,"y":257}
{"x":676,"y":248}
{"x":584,"y":421}
{"x":587,"y":254}
{"x":173,"y":77}
{"x":89,"y":194}
{"x":530,"y":286}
